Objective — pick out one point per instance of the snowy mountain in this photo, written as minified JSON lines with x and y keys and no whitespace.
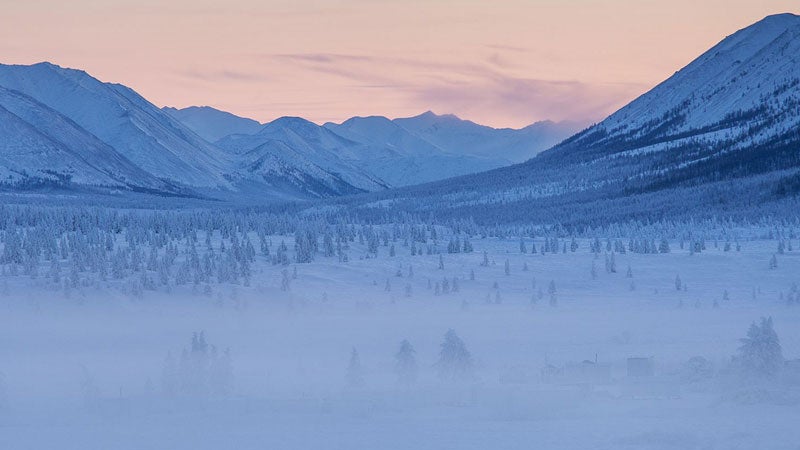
{"x":397,"y":152}
{"x":121,"y":118}
{"x":403,"y":152}
{"x":40,"y":147}
{"x":62,"y":127}
{"x":212,"y":124}
{"x":370,"y":153}
{"x":722,"y":135}
{"x":465,"y":137}
{"x":400,"y":157}
{"x":740,"y":95}
{"x":733,"y":112}
{"x":295,"y":150}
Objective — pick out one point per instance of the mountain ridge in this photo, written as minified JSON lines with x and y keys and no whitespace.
{"x":721,"y":135}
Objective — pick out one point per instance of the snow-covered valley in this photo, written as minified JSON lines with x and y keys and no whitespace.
{"x":191,"y":279}
{"x":549,"y":337}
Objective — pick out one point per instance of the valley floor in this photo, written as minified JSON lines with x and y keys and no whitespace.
{"x":86,"y":368}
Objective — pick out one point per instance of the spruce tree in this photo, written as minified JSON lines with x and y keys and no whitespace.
{"x":355,"y":374}
{"x":455,"y":361}
{"x":760,"y":353}
{"x":406,"y":364}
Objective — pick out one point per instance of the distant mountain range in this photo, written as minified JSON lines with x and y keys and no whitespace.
{"x":64,"y":129}
{"x":719,"y":137}
{"x":392,"y":153}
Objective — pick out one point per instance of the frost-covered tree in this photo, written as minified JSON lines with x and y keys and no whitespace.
{"x":406,"y":364}
{"x":760,"y":352}
{"x":551,"y":289}
{"x":455,"y":361}
{"x":355,"y":374}
{"x":454,"y":246}
{"x":285,"y":280}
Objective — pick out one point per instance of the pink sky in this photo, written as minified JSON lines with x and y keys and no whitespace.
{"x":501,"y":62}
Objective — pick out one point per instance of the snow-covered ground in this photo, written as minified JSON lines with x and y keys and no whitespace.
{"x":86,"y":368}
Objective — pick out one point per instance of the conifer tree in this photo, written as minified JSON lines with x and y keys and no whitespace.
{"x":760,"y":352}
{"x":355,"y":374}
{"x":455,"y":361}
{"x":406,"y":364}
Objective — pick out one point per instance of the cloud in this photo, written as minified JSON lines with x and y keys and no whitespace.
{"x":224,"y":75}
{"x":321,"y":57}
{"x":510,"y":99}
{"x":483,"y":90}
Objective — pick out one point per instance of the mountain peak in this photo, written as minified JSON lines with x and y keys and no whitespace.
{"x":290,"y":122}
{"x":430,"y":115}
{"x":211,"y":123}
{"x":780,"y":18}
{"x":64,"y":71}
{"x":767,"y":29}
{"x":773,"y":25}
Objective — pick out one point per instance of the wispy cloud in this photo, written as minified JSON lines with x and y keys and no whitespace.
{"x":224,"y":75}
{"x":476,"y":89}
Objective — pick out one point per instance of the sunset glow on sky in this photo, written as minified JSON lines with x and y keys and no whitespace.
{"x":502,"y":63}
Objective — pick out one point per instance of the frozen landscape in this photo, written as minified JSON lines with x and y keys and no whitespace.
{"x":187,"y":278}
{"x":570,"y":344}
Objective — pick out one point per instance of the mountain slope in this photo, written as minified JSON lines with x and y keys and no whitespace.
{"x":731,"y":112}
{"x":38,"y":146}
{"x":121,"y":118}
{"x":212,"y":124}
